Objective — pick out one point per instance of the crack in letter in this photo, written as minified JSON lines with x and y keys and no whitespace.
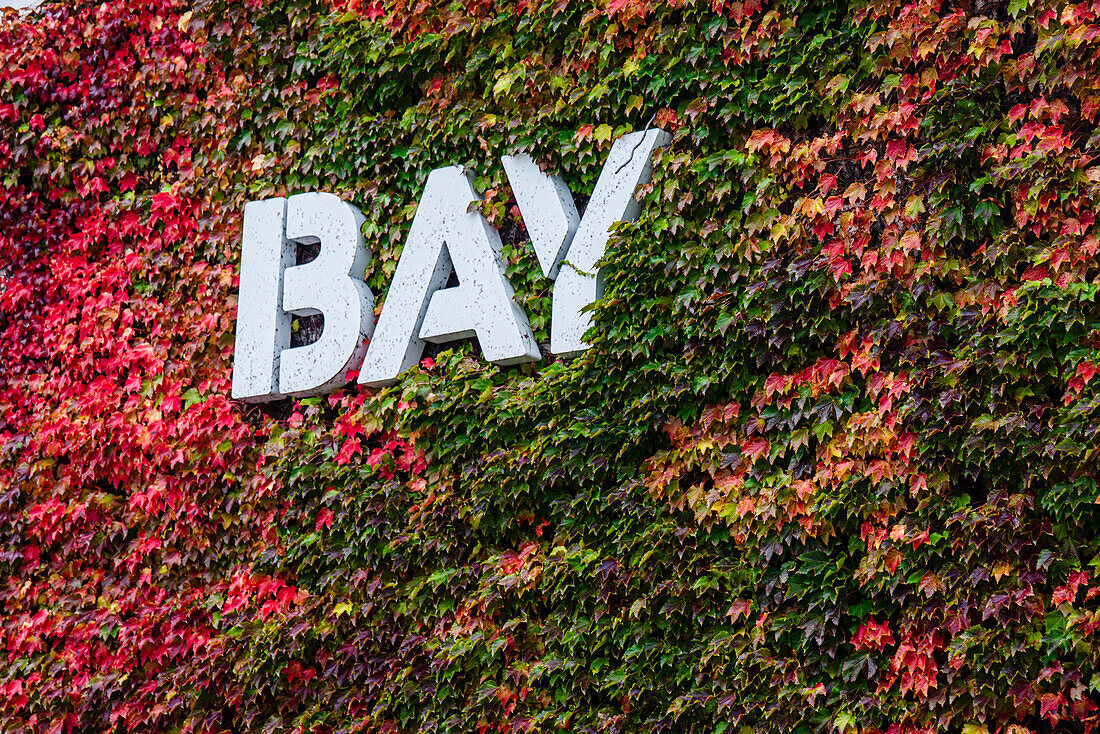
{"x":549,"y":215}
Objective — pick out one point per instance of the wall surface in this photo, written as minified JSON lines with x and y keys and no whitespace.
{"x":829,"y":465}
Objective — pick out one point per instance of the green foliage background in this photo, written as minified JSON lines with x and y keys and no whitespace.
{"x":830,"y":464}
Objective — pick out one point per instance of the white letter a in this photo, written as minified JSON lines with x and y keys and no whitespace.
{"x":446,"y":235}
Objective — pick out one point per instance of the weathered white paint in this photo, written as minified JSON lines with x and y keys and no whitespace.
{"x":273,"y":289}
{"x":332,"y":285}
{"x":547,"y":207}
{"x":263,"y":327}
{"x":446,"y":234}
{"x":578,"y":283}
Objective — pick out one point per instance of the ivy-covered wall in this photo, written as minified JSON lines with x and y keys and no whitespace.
{"x":830,"y":465}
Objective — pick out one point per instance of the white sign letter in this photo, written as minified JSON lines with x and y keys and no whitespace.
{"x":446,"y":235}
{"x":332,"y":285}
{"x":548,"y":210}
{"x":272,"y":288}
{"x":263,"y":328}
{"x":549,"y":215}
